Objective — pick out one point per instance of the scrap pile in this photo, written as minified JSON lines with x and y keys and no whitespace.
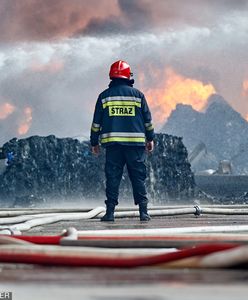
{"x":64,"y":168}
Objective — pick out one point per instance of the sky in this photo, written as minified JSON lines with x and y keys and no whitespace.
{"x":55,"y":57}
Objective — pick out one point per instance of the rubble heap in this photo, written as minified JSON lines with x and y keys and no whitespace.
{"x":220,"y":132}
{"x":64,"y":168}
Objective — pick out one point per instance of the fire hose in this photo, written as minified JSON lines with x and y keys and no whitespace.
{"x":11,"y":212}
{"x":222,"y":250}
{"x":71,"y":256}
{"x":134,"y":239}
{"x":26,"y":222}
{"x":17,"y":228}
{"x":201,"y":256}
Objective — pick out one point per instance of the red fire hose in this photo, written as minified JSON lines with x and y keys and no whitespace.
{"x":67,"y":257}
{"x":43,"y":240}
{"x":123,"y":241}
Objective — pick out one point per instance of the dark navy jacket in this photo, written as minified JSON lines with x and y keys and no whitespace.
{"x":121,"y":116}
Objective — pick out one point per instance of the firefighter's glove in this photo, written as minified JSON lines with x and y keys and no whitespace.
{"x":149,"y":146}
{"x":95,"y":150}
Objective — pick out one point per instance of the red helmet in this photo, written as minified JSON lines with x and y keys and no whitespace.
{"x":120,"y":69}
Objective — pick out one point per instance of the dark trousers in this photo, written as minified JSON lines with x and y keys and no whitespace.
{"x":133,"y":157}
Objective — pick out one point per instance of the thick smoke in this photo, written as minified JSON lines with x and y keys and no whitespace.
{"x":55,"y":55}
{"x":29,"y":20}
{"x":48,"y":19}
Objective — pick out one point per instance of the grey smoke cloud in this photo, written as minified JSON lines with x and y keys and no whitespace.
{"x":55,"y":54}
{"x":157,"y":15}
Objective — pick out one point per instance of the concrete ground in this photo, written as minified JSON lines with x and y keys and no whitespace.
{"x":63,"y":283}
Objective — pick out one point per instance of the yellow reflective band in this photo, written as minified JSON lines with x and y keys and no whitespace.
{"x":123,"y":139}
{"x":121,"y":103}
{"x":95,"y":129}
{"x":122,"y":111}
{"x":121,"y":98}
{"x":96,"y":125}
{"x":123,"y":134}
{"x":149,"y":128}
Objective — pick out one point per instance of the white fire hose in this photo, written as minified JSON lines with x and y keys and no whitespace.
{"x":26,"y":222}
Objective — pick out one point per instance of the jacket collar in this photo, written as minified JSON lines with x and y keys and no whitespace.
{"x":121,"y":81}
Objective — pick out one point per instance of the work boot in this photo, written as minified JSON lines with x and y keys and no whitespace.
{"x":109,"y":215}
{"x":144,"y":216}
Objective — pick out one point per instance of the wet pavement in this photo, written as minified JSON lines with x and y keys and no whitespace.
{"x":134,"y":223}
{"x":44,"y":282}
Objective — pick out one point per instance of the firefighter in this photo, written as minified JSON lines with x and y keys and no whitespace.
{"x":122,"y":122}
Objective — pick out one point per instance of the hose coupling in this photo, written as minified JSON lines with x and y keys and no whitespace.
{"x":198,"y":210}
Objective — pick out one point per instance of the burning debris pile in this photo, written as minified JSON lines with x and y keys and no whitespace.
{"x":64,"y":168}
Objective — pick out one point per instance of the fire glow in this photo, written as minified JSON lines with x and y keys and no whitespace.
{"x":245,"y":88}
{"x":6,"y":109}
{"x":176,"y":89}
{"x":51,"y":67}
{"x":245,"y":94}
{"x":25,"y":125}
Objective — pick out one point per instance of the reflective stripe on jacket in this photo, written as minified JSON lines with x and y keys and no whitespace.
{"x":121,"y":116}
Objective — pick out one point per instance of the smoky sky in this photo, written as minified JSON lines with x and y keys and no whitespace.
{"x":49,"y":19}
{"x":55,"y":54}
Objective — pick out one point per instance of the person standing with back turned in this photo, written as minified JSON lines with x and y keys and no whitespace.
{"x":122,"y":121}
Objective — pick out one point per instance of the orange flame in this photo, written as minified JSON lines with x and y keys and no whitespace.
{"x":6,"y":109}
{"x":245,"y":87}
{"x":25,"y":125}
{"x":177,"y":89}
{"x":245,"y":94}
